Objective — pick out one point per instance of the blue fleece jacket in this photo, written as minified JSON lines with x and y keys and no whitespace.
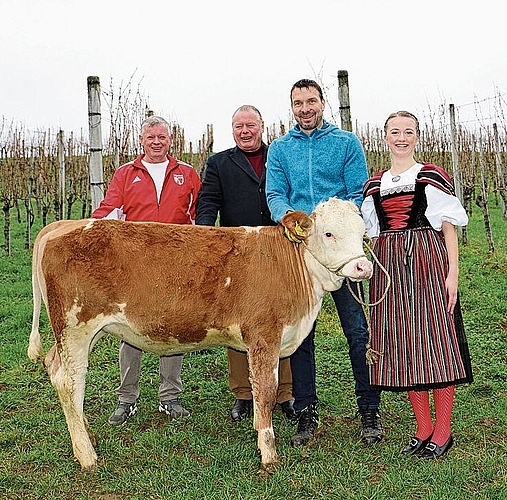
{"x":303,"y":170}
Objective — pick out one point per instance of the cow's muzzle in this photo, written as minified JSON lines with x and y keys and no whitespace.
{"x":363,"y":268}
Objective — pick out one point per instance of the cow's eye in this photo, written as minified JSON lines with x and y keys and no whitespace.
{"x":328,"y":235}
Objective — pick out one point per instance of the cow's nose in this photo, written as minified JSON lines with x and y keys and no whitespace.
{"x":364,"y":269}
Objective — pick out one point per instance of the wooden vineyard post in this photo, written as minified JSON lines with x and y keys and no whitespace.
{"x":482,"y":200}
{"x":95,"y":129}
{"x":61,"y":173}
{"x":455,"y":168}
{"x":343,"y":96}
{"x":500,"y":172}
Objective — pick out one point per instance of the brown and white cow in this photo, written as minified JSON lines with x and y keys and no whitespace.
{"x":173,"y":288}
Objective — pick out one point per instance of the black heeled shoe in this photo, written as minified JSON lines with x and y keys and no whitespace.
{"x":415,"y":445}
{"x":432,"y":450}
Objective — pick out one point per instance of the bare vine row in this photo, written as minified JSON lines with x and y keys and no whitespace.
{"x":31,"y":163}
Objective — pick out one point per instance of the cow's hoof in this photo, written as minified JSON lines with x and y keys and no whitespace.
{"x":269,"y":469}
{"x":89,"y":467}
{"x":88,"y":464}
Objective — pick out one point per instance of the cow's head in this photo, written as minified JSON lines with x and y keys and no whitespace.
{"x":333,"y":235}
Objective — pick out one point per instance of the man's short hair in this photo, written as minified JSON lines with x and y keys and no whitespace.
{"x":153,"y":120}
{"x":248,"y":107}
{"x":305,"y":83}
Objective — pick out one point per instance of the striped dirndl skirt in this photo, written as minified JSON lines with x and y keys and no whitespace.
{"x":423,"y":345}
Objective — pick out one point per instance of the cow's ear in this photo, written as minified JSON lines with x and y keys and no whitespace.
{"x":297,"y":225}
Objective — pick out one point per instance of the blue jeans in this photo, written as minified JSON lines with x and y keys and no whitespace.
{"x":302,"y":362}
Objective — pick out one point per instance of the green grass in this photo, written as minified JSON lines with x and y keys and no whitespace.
{"x":206,"y":457}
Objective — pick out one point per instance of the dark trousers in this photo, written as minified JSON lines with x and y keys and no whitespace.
{"x":302,"y":362}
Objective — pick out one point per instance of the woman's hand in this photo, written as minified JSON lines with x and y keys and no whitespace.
{"x":451,"y":286}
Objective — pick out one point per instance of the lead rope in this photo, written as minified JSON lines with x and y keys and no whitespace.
{"x":371,"y":354}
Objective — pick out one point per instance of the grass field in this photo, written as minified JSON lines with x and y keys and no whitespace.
{"x":207,"y":457}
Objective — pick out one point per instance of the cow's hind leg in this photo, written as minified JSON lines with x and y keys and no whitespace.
{"x":263,"y":363}
{"x":67,"y":371}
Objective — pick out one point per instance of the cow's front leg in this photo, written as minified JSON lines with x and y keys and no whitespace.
{"x":263,"y":362}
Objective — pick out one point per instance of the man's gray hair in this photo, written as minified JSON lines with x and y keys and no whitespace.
{"x":153,"y":120}
{"x":248,"y":107}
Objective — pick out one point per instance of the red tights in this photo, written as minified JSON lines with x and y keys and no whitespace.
{"x":443,"y":400}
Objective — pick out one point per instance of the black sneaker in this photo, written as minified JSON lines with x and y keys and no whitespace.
{"x":371,"y":431}
{"x":173,"y":408}
{"x":308,"y":421}
{"x":122,"y":413}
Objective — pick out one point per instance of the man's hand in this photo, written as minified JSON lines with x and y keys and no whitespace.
{"x":296,"y":225}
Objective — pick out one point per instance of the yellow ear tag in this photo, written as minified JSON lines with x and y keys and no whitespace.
{"x":291,"y":237}
{"x":299,"y":231}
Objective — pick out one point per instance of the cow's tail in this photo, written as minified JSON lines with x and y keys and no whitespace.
{"x":35,"y":350}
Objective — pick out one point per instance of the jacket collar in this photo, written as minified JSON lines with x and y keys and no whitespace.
{"x":325,"y":129}
{"x":173,"y":162}
{"x":239,"y":157}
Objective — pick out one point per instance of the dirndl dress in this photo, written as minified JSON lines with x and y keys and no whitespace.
{"x":422,"y":345}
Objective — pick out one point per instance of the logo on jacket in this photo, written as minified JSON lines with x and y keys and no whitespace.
{"x":137,"y":179}
{"x":179,"y":179}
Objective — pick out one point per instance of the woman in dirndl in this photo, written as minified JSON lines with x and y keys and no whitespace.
{"x":411,"y":212}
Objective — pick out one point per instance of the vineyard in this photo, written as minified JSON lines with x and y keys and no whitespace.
{"x":45,"y":175}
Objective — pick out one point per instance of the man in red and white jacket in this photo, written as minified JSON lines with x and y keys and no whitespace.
{"x":155,"y":187}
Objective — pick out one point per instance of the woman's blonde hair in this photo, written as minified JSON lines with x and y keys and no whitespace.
{"x":404,"y":114}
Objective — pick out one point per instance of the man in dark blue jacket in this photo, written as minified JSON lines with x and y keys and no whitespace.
{"x":233,"y":191}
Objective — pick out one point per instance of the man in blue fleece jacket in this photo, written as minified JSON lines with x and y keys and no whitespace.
{"x":313,"y":162}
